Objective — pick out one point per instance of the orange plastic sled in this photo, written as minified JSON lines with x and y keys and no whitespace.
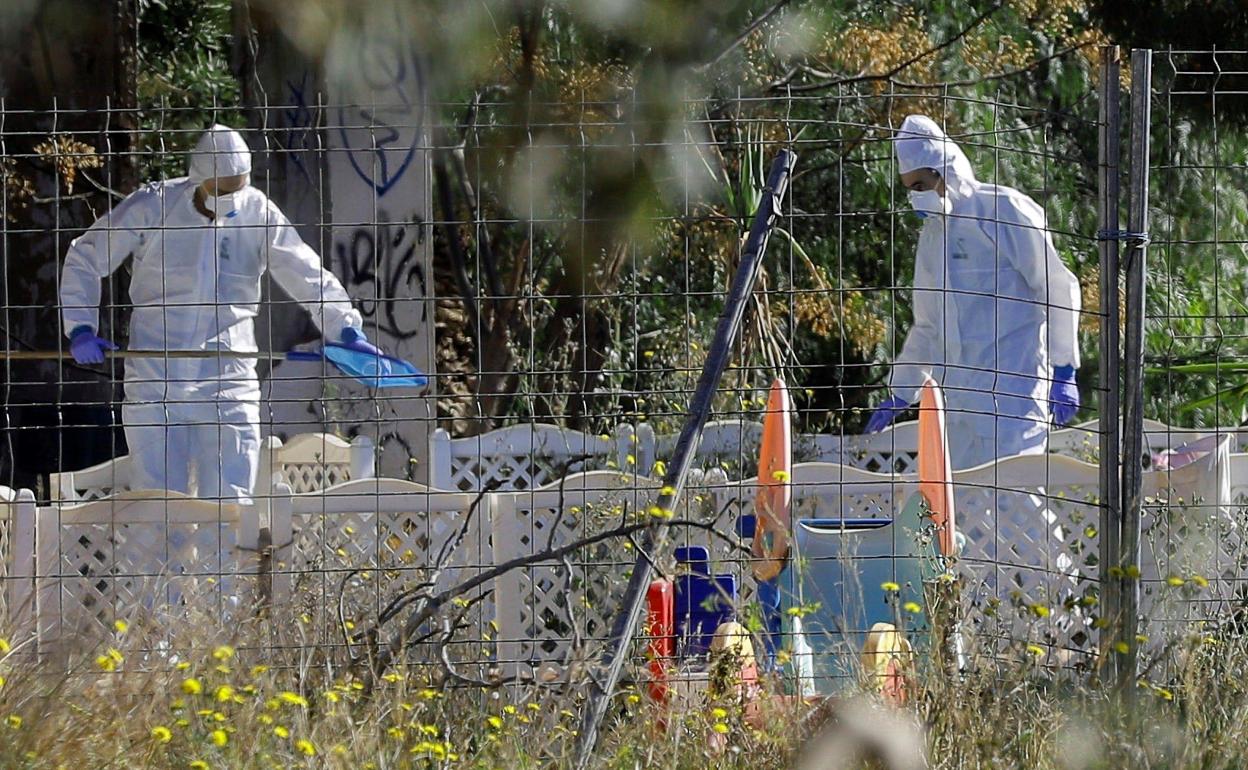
{"x":935,"y":475}
{"x":771,"y":506}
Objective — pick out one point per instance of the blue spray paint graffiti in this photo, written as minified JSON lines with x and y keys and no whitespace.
{"x":383,"y":138}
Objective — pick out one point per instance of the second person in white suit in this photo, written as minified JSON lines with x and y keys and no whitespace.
{"x":996,"y":312}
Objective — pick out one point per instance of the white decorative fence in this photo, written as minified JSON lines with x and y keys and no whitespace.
{"x":347,"y":544}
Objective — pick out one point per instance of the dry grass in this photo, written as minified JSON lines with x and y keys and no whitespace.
{"x":257,"y":696}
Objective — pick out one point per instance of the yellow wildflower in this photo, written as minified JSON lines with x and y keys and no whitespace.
{"x":890,"y":586}
{"x":258,"y":670}
{"x":306,"y":747}
{"x":199,"y":764}
{"x":395,"y":732}
{"x":218,"y":738}
{"x":5,"y":646}
{"x":293,"y":699}
{"x":331,"y":696}
{"x":192,"y":686}
{"x":1121,"y":648}
{"x":912,"y":607}
{"x":1035,"y":650}
{"x":224,"y":693}
{"x":719,"y":714}
{"x":281,"y":732}
{"x":14,"y":721}
{"x":660,"y":513}
{"x":780,"y":476}
{"x":495,"y":722}
{"x":224,"y":652}
{"x":120,"y":626}
{"x":720,"y":728}
{"x":1200,"y":581}
{"x":161,"y":734}
{"x":1040,"y":611}
{"x":1174,"y":580}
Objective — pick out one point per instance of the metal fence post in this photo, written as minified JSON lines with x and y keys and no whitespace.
{"x":1110,"y":131}
{"x":1133,"y":358}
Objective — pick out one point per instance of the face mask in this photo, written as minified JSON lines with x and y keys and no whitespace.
{"x":220,"y":204}
{"x":930,"y":202}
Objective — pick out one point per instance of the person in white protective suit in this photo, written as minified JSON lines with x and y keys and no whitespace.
{"x":200,"y":245}
{"x":996,"y":312}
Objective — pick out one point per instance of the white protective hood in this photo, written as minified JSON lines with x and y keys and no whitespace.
{"x":220,"y":152}
{"x":921,"y":143}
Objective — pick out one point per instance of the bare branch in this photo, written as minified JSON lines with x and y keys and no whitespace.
{"x":745,"y":34}
{"x":888,"y":76}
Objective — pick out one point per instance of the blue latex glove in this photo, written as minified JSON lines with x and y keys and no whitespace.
{"x":1064,"y":395}
{"x":885,"y":413}
{"x":355,"y":340}
{"x":86,"y":348}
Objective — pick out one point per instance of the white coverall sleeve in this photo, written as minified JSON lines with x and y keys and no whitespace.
{"x":923,"y":353}
{"x":297,"y":268}
{"x":1026,"y":242}
{"x":97,"y":253}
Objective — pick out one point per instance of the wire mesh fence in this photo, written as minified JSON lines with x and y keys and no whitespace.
{"x":559,"y":281}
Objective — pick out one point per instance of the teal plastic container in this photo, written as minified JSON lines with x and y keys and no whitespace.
{"x":842,"y":565}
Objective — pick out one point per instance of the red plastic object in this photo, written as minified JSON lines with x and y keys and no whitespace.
{"x":661,"y":628}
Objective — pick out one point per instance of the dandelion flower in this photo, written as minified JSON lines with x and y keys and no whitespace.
{"x":224,"y":693}
{"x":224,"y":652}
{"x":890,"y":586}
{"x":1035,"y":650}
{"x":719,"y":714}
{"x":199,"y":764}
{"x":395,"y":732}
{"x":1175,"y":581}
{"x":258,"y":670}
{"x":720,"y":728}
{"x":1040,"y":611}
{"x":5,"y":646}
{"x":218,"y":738}
{"x":912,"y":607}
{"x":293,"y":699}
{"x":509,"y":709}
{"x":120,"y":626}
{"x":1121,"y":648}
{"x":161,"y":734}
{"x":14,"y":721}
{"x":305,"y":747}
{"x":780,"y":476}
{"x":1200,"y":581}
{"x":281,"y":732}
{"x":192,"y":686}
{"x":634,"y":699}
{"x":495,"y":722}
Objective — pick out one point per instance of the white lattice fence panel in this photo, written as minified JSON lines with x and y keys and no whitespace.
{"x":143,"y":560}
{"x":356,"y":547}
{"x":1029,"y":564}
{"x":551,"y":610}
{"x":528,"y":456}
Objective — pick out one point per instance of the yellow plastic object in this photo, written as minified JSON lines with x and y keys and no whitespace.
{"x":886,"y":658}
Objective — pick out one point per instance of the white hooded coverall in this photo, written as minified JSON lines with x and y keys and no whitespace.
{"x":195,"y":285}
{"x":995,"y":309}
